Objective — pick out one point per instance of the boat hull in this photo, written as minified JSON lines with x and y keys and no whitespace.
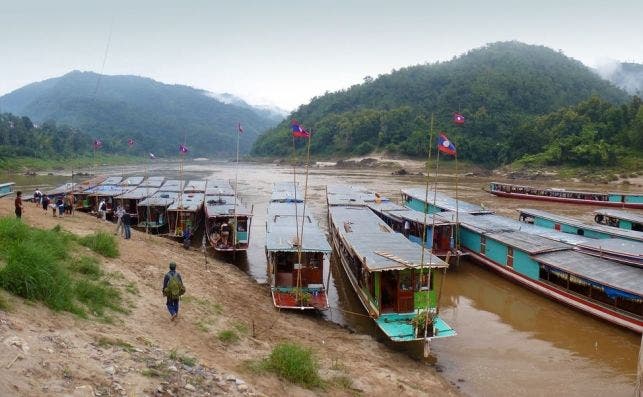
{"x":566,"y":200}
{"x":284,"y":298}
{"x":574,"y":301}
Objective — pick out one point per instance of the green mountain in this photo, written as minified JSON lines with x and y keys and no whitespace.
{"x":499,"y":88}
{"x":157,"y":116}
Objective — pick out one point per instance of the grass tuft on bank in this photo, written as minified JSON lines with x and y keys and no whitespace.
{"x":102,"y":243}
{"x":38,"y":266}
{"x":294,"y":363}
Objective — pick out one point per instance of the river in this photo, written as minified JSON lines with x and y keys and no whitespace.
{"x":510,"y":340}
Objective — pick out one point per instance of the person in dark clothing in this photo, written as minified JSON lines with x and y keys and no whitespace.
{"x":126,"y":219}
{"x":172,"y":303}
{"x":45,"y":203}
{"x":187,"y":238}
{"x":18,"y":204}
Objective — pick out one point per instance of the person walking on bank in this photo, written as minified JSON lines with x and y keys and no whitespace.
{"x":126,"y":220}
{"x":119,"y":220}
{"x":173,"y":288}
{"x":37,"y":196}
{"x":18,"y":204}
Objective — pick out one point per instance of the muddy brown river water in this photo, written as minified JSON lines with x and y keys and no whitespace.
{"x":510,"y":340}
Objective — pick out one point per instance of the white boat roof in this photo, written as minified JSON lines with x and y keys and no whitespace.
{"x":602,"y":271}
{"x":160,"y":199}
{"x":219,"y":187}
{"x":216,"y":205}
{"x":282,"y":228}
{"x":369,"y":237}
{"x":7,"y":184}
{"x":195,"y":186}
{"x":132,"y":181}
{"x":139,"y":193}
{"x":64,"y":188}
{"x":351,"y":195}
{"x":153,"y":181}
{"x":286,"y":192}
{"x":625,"y":215}
{"x":172,"y":185}
{"x":444,"y":201}
{"x":107,"y":190}
{"x":529,"y":243}
{"x":611,"y":231}
{"x":188,"y":202}
{"x":112,"y":180}
{"x":615,"y":245}
{"x":400,"y":214}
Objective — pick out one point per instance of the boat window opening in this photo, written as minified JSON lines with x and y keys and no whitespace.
{"x":637,"y":227}
{"x":543,"y":272}
{"x":421,"y":279}
{"x":557,"y":226}
{"x":510,"y":257}
{"x":405,"y":291}
{"x":388,"y":286}
{"x":580,"y":232}
{"x":483,"y":244}
{"x":580,"y":286}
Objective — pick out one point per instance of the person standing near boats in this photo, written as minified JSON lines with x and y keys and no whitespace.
{"x":18,"y":204}
{"x":173,"y":288}
{"x":37,"y":196}
{"x":119,"y":220}
{"x":126,"y":220}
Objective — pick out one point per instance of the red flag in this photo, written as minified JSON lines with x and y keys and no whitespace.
{"x":130,"y":142}
{"x":298,"y":131}
{"x":458,"y":118}
{"x":240,"y":128}
{"x":98,"y":143}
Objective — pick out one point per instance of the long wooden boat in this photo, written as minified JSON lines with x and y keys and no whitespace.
{"x":597,"y":286}
{"x":574,"y":226}
{"x":623,"y":200}
{"x":220,"y":210}
{"x":6,"y":188}
{"x":615,"y":249}
{"x":386,"y":271}
{"x":296,"y":262}
{"x":414,"y":198}
{"x":619,"y":218}
{"x":186,"y":212}
{"x":130,"y":199}
{"x":85,"y":200}
{"x":152,"y":211}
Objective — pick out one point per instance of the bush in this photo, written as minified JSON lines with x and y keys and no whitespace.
{"x":87,"y":266}
{"x":228,"y":336}
{"x":295,"y":364}
{"x":98,"y":296}
{"x":102,"y":243}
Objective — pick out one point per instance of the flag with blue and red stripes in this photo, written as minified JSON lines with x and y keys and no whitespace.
{"x":298,"y":131}
{"x":445,"y":145}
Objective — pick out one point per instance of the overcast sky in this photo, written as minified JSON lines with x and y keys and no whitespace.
{"x":286,"y":52}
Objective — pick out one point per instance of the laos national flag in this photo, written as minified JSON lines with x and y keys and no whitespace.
{"x":183,"y":149}
{"x":458,"y":118}
{"x":445,"y":145}
{"x":97,"y":144}
{"x":298,"y":131}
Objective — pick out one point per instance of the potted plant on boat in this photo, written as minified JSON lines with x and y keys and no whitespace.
{"x":302,"y":297}
{"x":419,"y":322}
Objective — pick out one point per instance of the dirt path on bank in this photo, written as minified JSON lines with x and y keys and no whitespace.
{"x":47,"y":353}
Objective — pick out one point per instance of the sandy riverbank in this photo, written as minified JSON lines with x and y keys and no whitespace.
{"x":59,"y":354}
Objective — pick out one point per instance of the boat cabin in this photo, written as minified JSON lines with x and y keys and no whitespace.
{"x":185,"y":213}
{"x":414,"y":198}
{"x":152,"y":211}
{"x":222,"y":216}
{"x":619,"y":218}
{"x":6,"y":188}
{"x":130,"y":200}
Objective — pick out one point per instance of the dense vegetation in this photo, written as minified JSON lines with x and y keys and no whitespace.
{"x":500,"y":89}
{"x":157,"y":116}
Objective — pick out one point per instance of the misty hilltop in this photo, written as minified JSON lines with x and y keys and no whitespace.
{"x":157,"y":116}
{"x":628,"y":76}
{"x":502,"y":89}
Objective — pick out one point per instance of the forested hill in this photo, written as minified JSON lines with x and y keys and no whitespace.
{"x":498,"y":88}
{"x":157,"y":116}
{"x":628,"y":76}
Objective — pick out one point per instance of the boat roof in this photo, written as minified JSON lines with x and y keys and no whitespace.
{"x":285,"y":192}
{"x":379,"y":247}
{"x":160,"y":199}
{"x":281,"y":232}
{"x":132,"y":181}
{"x":172,"y":185}
{"x":529,"y":243}
{"x":219,"y":187}
{"x":139,"y":193}
{"x":351,"y":195}
{"x":196,"y":186}
{"x":615,"y":245}
{"x":399,"y":213}
{"x":562,"y":190}
{"x":188,"y":202}
{"x":107,"y":190}
{"x":112,"y":180}
{"x":602,"y":271}
{"x":7,"y":184}
{"x":64,"y":188}
{"x":216,"y":205}
{"x":626,"y":215}
{"x":612,"y":231}
{"x":153,"y":181}
{"x":445,"y":202}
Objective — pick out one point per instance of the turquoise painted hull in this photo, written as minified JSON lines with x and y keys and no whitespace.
{"x":398,"y":327}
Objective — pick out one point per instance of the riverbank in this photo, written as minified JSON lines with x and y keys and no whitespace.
{"x":143,"y":353}
{"x":24,"y":165}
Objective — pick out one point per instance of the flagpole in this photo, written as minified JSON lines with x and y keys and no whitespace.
{"x":236,"y":180}
{"x":303,"y":215}
{"x":426,"y":210}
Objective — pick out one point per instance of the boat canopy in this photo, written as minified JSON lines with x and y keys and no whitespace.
{"x":615,"y":245}
{"x":62,"y":189}
{"x":138,"y":193}
{"x":160,"y":199}
{"x":132,"y":181}
{"x":107,"y":190}
{"x":346,"y":195}
{"x":224,"y":206}
{"x":620,"y":214}
{"x":153,"y":181}
{"x":376,"y":244}
{"x":196,"y":186}
{"x":286,"y":192}
{"x":219,"y":187}
{"x":561,"y":190}
{"x":402,"y":214}
{"x":529,"y":243}
{"x":600,"y":271}
{"x":281,"y":229}
{"x":445,"y":202}
{"x":172,"y":185}
{"x":112,"y":180}
{"x":190,"y":202}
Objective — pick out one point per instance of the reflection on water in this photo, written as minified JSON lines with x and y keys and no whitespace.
{"x":510,"y":341}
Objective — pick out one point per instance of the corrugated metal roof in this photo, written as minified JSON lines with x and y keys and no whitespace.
{"x":401,"y":214}
{"x":626,"y":215}
{"x":445,"y":202}
{"x":282,"y":225}
{"x":346,"y":195}
{"x":132,"y":181}
{"x":64,"y":188}
{"x":286,"y":192}
{"x":529,"y":243}
{"x":368,"y":236}
{"x":172,"y":185}
{"x":219,"y":187}
{"x":196,"y":186}
{"x":160,"y":199}
{"x":611,"y":231}
{"x":224,"y":205}
{"x":112,"y":180}
{"x":138,"y":193}
{"x":603,"y":271}
{"x":107,"y":190}
{"x":153,"y":181}
{"x":617,"y":245}
{"x":187,"y":202}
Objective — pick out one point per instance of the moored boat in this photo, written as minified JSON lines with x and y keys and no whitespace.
{"x":186,"y":212}
{"x":619,"y":218}
{"x":85,"y":200}
{"x":6,"y":188}
{"x":414,"y":198}
{"x":392,"y":277}
{"x":624,"y":200}
{"x":152,"y":211}
{"x":130,"y":199}
{"x":296,"y":252}
{"x":224,"y":210}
